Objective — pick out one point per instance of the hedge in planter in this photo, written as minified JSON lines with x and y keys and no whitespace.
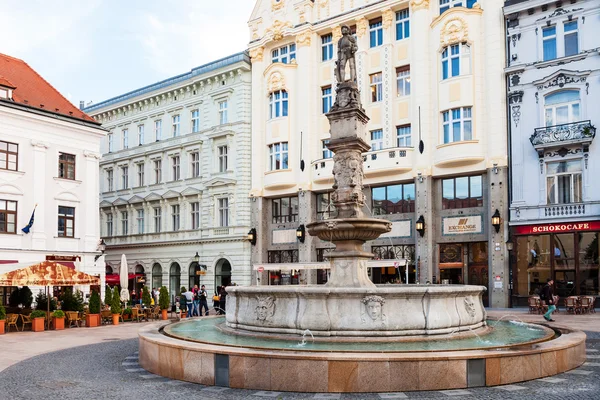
{"x":58,"y":318}
{"x":108,"y":296}
{"x":146,"y":298}
{"x":163,"y":301}
{"x":115,"y":307}
{"x":2,"y":318}
{"x":92,"y":319}
{"x":37,"y":320}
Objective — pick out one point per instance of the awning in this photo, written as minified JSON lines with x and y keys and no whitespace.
{"x":325,"y":265}
{"x":47,"y":273}
{"x":114,"y":279}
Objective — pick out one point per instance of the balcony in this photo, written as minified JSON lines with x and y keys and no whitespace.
{"x":581,"y":132}
{"x":555,"y":212}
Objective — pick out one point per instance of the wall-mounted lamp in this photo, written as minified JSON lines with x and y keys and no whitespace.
{"x":420,"y":177}
{"x":101,"y":248}
{"x":301,"y":233}
{"x":420,"y":225}
{"x":252,"y":236}
{"x":196,"y":258}
{"x":496,"y":220}
{"x":495,"y":168}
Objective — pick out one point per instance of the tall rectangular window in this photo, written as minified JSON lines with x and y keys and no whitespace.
{"x":124,"y":223}
{"x":325,"y":207}
{"x":375,"y":32}
{"x":224,"y":212}
{"x":393,"y":199}
{"x":8,"y":216}
{"x":456,"y":60}
{"x":140,"y":173}
{"x":403,"y":81}
{"x":9,"y":156}
{"x":223,"y":112}
{"x":457,"y":125}
{"x":125,"y":138}
{"x":285,"y":209}
{"x":564,"y":182}
{"x":157,"y":171}
{"x":222,"y":150}
{"x":66,"y":166}
{"x":140,"y":222}
{"x":124,"y":177}
{"x":571,"y":39}
{"x":110,"y":180}
{"x":140,"y":134}
{"x":176,"y":167}
{"x":111,"y":142}
{"x":176,"y":121}
{"x":195,"y":121}
{"x":404,"y":136}
{"x":109,"y":224}
{"x":278,"y":156}
{"x":175,"y":217}
{"x":278,"y":104}
{"x":195,"y":215}
{"x":549,"y":42}
{"x":376,"y":140}
{"x":402,"y":24}
{"x":326,"y":47}
{"x":195,"y":164}
{"x":66,"y":221}
{"x":284,"y":54}
{"x":326,"y":99}
{"x":326,"y":152}
{"x":462,"y":192}
{"x":158,"y":129}
{"x":376,"y":87}
{"x":157,"y":219}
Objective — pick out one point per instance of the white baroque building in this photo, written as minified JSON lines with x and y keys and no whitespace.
{"x":553,"y":81}
{"x":175,"y":177}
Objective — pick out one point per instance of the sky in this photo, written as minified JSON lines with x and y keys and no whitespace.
{"x":93,"y":50}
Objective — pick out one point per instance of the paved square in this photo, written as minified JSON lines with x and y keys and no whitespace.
{"x":334,"y":396}
{"x":266,"y":394}
{"x":398,"y":395}
{"x":150,"y":376}
{"x":591,"y":364}
{"x":579,"y":372}
{"x":591,"y":350}
{"x":511,"y":388}
{"x":134,"y":369}
{"x":458,"y":392}
{"x":552,"y":380}
{"x":215,"y":389}
{"x":593,"y":356}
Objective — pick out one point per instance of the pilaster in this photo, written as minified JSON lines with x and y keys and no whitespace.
{"x":425,"y":248}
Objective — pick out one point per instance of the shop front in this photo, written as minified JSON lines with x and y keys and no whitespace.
{"x":564,"y":252}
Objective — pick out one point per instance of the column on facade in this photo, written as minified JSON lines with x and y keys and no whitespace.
{"x":38,"y":241}
{"x":306,"y":250}
{"x":387,"y":55}
{"x":260,"y":221}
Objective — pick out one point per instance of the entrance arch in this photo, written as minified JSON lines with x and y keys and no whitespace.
{"x":222,"y":273}
{"x":175,"y":280}
{"x":139,"y":281}
{"x":194,"y":276}
{"x":156,"y":275}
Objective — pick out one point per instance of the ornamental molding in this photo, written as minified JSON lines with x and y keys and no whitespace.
{"x":277,"y":5}
{"x":40,"y":144}
{"x":560,"y":11}
{"x":276,"y":82}
{"x":561,"y":78}
{"x":304,"y":39}
{"x":256,"y":54}
{"x":455,"y":30}
{"x":515,"y":97}
{"x":337,"y":33}
{"x":92,"y":155}
{"x":419,"y":5}
{"x":276,"y":30}
{"x":362,"y":24}
{"x":387,"y":17}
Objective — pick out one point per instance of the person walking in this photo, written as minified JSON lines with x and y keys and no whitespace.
{"x":216,"y":300}
{"x":223,"y":298}
{"x":548,"y":297}
{"x":188,"y":298}
{"x":203,"y":302}
{"x":196,"y":301}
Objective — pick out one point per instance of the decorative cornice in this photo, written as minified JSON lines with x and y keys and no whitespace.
{"x":387,"y":18}
{"x":90,"y":154}
{"x":416,"y":5}
{"x":256,"y":54}
{"x":304,"y":39}
{"x":40,"y":144}
{"x":561,"y":78}
{"x":455,"y":30}
{"x":276,"y":30}
{"x":362,"y":24}
{"x":276,"y":5}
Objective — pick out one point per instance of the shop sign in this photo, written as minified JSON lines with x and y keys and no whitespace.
{"x":141,"y":279}
{"x":462,"y":225}
{"x":56,"y":258}
{"x":557,"y":228}
{"x":400,"y":229}
{"x":284,"y":236}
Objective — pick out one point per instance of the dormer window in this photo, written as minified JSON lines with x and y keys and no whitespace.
{"x":6,"y":89}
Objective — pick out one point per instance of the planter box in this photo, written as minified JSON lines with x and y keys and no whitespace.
{"x":116,"y":319}
{"x":59,"y":323}
{"x":92,"y":320}
{"x":163,"y":314}
{"x":37,"y":324}
{"x":2,"y":326}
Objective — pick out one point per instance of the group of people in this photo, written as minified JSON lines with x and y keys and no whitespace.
{"x":195,"y":301}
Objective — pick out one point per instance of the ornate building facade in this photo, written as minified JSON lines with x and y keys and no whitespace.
{"x":553,"y":80}
{"x":174,"y":178}
{"x":430,"y":76}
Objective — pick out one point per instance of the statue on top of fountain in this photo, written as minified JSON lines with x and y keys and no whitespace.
{"x":347,"y":89}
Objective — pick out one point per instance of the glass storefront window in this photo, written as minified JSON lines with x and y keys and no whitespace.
{"x":589,"y":266}
{"x":533,"y":264}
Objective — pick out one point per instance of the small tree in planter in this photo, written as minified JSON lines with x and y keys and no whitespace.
{"x":41,"y":302}
{"x":58,"y":320}
{"x":108,"y":296}
{"x":163,"y":302}
{"x":2,"y":318}
{"x":146,"y":298}
{"x":37,"y":320}
{"x":127,"y":313}
{"x":92,"y":319}
{"x":115,"y":307}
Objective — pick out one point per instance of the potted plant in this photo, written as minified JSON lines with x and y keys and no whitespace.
{"x":163,"y":302}
{"x":115,"y":307}
{"x":2,"y":318}
{"x":37,"y":320}
{"x":108,"y":296}
{"x":92,"y":319}
{"x":183,"y":302}
{"x":127,"y":313}
{"x":58,"y":320}
{"x":146,"y":298}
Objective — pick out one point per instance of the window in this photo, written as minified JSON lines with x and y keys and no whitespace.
{"x":222,"y":150}
{"x":66,"y":221}
{"x":375,"y":33}
{"x":278,"y":156}
{"x":278,"y":104}
{"x":175,"y":217}
{"x":175,"y":165}
{"x":124,"y":177}
{"x":562,"y":107}
{"x":195,"y":164}
{"x":282,"y":256}
{"x":325,"y":207}
{"x":403,"y":81}
{"x":157,"y":171}
{"x":140,"y":222}
{"x":109,"y":224}
{"x":111,"y":143}
{"x":457,"y":125}
{"x":456,"y":60}
{"x":224,"y":212}
{"x":9,"y":153}
{"x":140,"y":173}
{"x":446,"y":4}
{"x":124,"y":223}
{"x":376,"y":140}
{"x":284,"y":54}
{"x":571,"y":40}
{"x":326,"y":99}
{"x":376,"y":87}
{"x":66,"y":166}
{"x":125,"y":138}
{"x":549,"y":42}
{"x":176,"y":120}
{"x":326,"y":152}
{"x":8,"y":216}
{"x":157,"y":219}
{"x":158,"y":129}
{"x":195,"y":121}
{"x":393,"y":199}
{"x":462,"y":192}
{"x":140,"y":134}
{"x":404,"y":136}
{"x":285,"y":209}
{"x":195,"y":215}
{"x":326,"y":47}
{"x":223,"y":112}
{"x":402,"y":24}
{"x":110,"y":180}
{"x":563,"y":182}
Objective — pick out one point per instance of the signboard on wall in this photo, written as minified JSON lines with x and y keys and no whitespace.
{"x":462,"y":225}
{"x":281,"y":236}
{"x":400,"y":229}
{"x":557,"y":228}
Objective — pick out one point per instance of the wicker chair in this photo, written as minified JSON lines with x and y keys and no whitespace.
{"x":585,"y":305}
{"x":11,"y":320}
{"x":73,"y":318}
{"x":571,"y":305}
{"x":534,"y":305}
{"x":26,"y":321}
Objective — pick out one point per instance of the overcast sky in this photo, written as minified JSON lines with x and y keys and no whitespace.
{"x":96,"y":49}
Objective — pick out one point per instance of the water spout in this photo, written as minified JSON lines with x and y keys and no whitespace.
{"x":303,"y":342}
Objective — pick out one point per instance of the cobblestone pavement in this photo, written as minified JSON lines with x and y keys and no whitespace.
{"x":110,"y":370}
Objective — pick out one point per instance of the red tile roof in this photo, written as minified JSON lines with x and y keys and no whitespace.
{"x":33,"y":90}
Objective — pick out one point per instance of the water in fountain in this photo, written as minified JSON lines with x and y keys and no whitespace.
{"x":303,"y":342}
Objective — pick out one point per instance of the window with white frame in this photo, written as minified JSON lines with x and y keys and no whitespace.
{"x":562,"y":107}
{"x":223,"y":112}
{"x":158,"y":129}
{"x":456,"y":60}
{"x":140,"y":135}
{"x":404,"y":136}
{"x":549,"y":42}
{"x":326,"y":152}
{"x":175,"y":217}
{"x":445,"y":5}
{"x":403,"y":81}
{"x":140,"y":222}
{"x":195,"y":157}
{"x":278,"y":104}
{"x":222,"y":151}
{"x":278,"y":156}
{"x":195,"y":121}
{"x":157,"y":219}
{"x":8,"y":216}
{"x":124,"y":177}
{"x":564,"y":182}
{"x":402,"y":24}
{"x":326,"y":99}
{"x":457,"y":125}
{"x":375,"y":32}
{"x":376,"y":139}
{"x":326,"y":47}
{"x":125,"y":138}
{"x":109,"y":224}
{"x":124,"y":223}
{"x":140,"y":173}
{"x":376,"y":87}
{"x":195,"y":215}
{"x":111,"y":144}
{"x":176,"y":121}
{"x":571,"y":38}
{"x":66,"y":221}
{"x":284,"y":54}
{"x":175,"y":160}
{"x":110,"y":180}
{"x":224,"y":212}
{"x":157,"y":171}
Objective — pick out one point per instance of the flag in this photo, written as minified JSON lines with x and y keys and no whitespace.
{"x":30,"y":224}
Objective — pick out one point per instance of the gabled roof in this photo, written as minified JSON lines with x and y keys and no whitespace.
{"x":34,"y":91}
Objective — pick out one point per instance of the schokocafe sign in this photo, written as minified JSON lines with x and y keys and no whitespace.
{"x":557,"y":228}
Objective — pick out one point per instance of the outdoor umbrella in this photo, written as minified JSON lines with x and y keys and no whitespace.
{"x":124,"y":277}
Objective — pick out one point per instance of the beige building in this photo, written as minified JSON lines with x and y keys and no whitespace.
{"x":431,"y":80}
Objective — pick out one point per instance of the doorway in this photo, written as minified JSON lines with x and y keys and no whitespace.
{"x":479,"y":268}
{"x":222,"y":273}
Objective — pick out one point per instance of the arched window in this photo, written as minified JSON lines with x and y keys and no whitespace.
{"x":456,"y":60}
{"x":562,"y":107}
{"x":446,"y":4}
{"x":156,"y":276}
{"x":175,"y":279}
{"x":108,"y":270}
{"x":193,"y":274}
{"x":222,"y":273}
{"x":278,"y":104}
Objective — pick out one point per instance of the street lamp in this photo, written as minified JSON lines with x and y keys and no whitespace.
{"x":196,"y":258}
{"x":252,"y":236}
{"x":301,"y":233}
{"x":496,"y":220}
{"x":420,"y":225}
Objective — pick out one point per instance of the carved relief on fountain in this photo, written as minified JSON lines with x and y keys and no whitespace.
{"x":265,"y":308}
{"x":372,"y":310}
{"x":470,"y":306}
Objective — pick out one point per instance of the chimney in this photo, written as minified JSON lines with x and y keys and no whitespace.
{"x":81,"y":104}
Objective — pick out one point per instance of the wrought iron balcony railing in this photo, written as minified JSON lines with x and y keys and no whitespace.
{"x":576,"y":132}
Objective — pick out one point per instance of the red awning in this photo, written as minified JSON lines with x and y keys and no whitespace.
{"x":115,"y":279}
